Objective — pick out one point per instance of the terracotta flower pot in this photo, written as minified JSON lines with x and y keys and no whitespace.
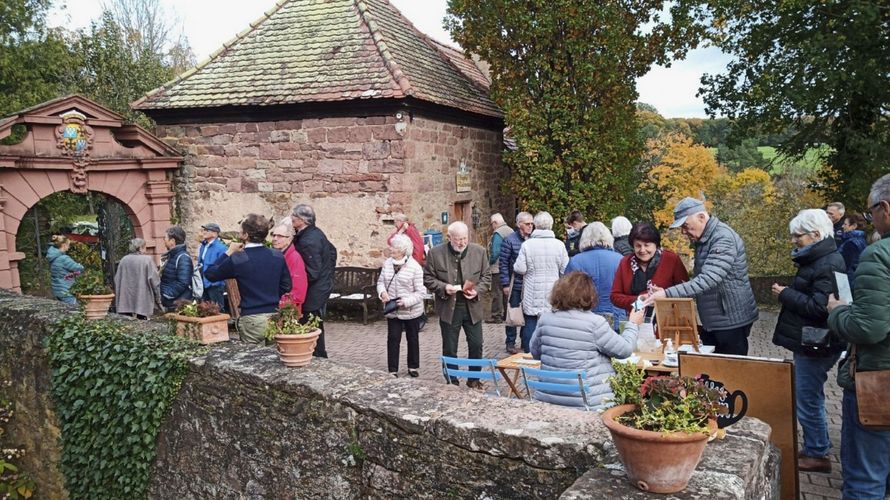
{"x":296,"y":350}
{"x":96,"y":306}
{"x":208,"y":330}
{"x":655,"y":461}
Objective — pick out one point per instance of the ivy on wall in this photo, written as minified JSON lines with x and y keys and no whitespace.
{"x":113,"y":388}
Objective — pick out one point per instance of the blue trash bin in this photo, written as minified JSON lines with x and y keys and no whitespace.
{"x":432,"y":237}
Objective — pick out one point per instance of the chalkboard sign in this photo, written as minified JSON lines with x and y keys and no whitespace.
{"x":736,"y":402}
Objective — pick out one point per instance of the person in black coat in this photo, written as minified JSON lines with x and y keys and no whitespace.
{"x":320,"y":258}
{"x":176,"y":276}
{"x":804,"y":305}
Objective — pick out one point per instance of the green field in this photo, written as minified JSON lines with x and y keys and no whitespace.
{"x":810,"y":161}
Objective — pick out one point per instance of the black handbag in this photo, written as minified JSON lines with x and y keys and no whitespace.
{"x":391,"y":306}
{"x":815,"y":338}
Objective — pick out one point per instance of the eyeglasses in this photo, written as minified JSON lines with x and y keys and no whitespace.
{"x":280,"y":235}
{"x":868,"y":216}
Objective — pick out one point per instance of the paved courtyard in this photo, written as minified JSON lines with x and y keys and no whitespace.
{"x":365,"y":345}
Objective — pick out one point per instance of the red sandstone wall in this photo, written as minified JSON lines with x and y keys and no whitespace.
{"x":354,"y":171}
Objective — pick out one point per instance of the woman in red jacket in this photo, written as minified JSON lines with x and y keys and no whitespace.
{"x":282,"y":236}
{"x":649,"y":265}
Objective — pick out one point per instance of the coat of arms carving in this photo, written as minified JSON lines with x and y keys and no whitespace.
{"x":75,"y":139}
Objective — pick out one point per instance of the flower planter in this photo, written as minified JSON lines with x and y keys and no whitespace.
{"x":207,"y":330}
{"x":96,"y":306}
{"x":655,"y":461}
{"x":296,"y":350}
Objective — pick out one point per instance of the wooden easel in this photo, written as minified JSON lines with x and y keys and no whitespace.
{"x":676,"y":320}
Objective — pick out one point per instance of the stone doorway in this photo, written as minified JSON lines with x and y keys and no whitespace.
{"x":74,"y":144}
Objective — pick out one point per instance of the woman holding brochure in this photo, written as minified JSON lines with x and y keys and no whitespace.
{"x":802,"y":328}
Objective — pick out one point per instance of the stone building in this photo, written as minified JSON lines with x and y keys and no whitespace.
{"x":342,"y":104}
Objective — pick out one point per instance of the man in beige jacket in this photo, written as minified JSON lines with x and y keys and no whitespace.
{"x":457,"y":273}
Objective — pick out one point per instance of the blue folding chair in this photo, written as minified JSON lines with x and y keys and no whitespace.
{"x":570,"y":383}
{"x":451,"y":368}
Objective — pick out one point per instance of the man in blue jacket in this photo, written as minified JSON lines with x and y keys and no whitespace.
{"x":262,"y":276}
{"x":511,"y":283}
{"x":212,"y":249}
{"x":176,"y":276}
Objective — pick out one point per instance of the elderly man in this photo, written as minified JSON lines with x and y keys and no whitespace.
{"x":409,"y":230}
{"x":457,"y":273}
{"x":865,"y":324}
{"x":211,"y":250}
{"x":511,"y":283}
{"x":720,"y":287}
{"x":499,"y":232}
{"x":836,"y":211}
{"x":320,"y":258}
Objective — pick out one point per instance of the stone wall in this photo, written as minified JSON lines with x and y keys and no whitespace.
{"x":355,"y":171}
{"x":243,"y":426}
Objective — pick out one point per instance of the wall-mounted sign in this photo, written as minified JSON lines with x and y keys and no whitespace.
{"x":462,"y":179}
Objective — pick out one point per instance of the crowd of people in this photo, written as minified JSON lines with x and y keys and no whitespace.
{"x":572,"y":293}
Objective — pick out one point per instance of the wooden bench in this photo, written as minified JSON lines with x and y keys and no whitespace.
{"x":356,"y":285}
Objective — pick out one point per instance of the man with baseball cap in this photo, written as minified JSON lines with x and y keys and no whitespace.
{"x":212,"y":249}
{"x":720,"y":286}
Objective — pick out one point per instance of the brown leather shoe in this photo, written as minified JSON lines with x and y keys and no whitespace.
{"x":813,"y":464}
{"x":514,"y":350}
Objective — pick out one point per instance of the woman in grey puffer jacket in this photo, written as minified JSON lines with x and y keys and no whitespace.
{"x":571,"y":337}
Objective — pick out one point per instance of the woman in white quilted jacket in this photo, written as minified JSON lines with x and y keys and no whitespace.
{"x":401,"y":280}
{"x":542,"y":260}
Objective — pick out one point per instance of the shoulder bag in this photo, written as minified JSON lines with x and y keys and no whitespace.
{"x":871,"y":396}
{"x":514,"y":314}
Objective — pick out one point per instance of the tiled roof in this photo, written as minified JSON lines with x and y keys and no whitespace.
{"x":305,"y":51}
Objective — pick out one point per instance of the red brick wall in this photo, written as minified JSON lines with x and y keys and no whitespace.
{"x":354,"y":171}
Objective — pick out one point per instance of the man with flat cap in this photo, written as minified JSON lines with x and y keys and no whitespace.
{"x":720,"y":286}
{"x":212,"y":250}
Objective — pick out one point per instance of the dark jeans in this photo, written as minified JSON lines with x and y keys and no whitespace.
{"x":450,"y":335}
{"x":531,"y":324}
{"x":320,"y":351}
{"x":497,"y":298}
{"x":216,"y":294}
{"x":732,"y":341}
{"x":394,"y":327}
{"x":515,"y":300}
{"x":864,"y":457}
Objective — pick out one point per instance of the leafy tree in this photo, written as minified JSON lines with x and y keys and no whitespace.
{"x":711,"y":133}
{"x":33,"y":58}
{"x":742,"y":156}
{"x":564,"y":73}
{"x":820,"y":68}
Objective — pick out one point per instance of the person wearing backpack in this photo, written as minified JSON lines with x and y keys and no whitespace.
{"x":176,"y":269}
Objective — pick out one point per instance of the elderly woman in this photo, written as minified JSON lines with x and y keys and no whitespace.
{"x":571,"y":337}
{"x":137,"y":283}
{"x":282,"y":239}
{"x":401,"y":279}
{"x":599,"y":261}
{"x":542,"y":260}
{"x":804,"y":305}
{"x":620,"y":230}
{"x":62,"y":268}
{"x":649,"y":265}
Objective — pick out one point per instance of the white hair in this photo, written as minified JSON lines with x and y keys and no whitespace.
{"x":810,"y":221}
{"x":595,"y":234}
{"x":521,"y":216}
{"x":621,"y":226}
{"x":136,"y":245}
{"x":403,"y":244}
{"x":543,"y":220}
{"x":880,"y":190}
{"x":497,"y":219}
{"x":285,"y":226}
{"x":458,"y":229}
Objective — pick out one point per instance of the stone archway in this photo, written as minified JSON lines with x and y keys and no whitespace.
{"x":75,"y":144}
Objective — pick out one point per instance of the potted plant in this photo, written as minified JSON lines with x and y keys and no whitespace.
{"x":295,"y":341}
{"x":201,"y":321}
{"x":660,"y":426}
{"x":90,"y":288}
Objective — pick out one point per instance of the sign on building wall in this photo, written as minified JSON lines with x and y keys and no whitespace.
{"x":462,"y":180}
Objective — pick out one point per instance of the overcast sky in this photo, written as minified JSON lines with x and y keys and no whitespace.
{"x":210,"y":23}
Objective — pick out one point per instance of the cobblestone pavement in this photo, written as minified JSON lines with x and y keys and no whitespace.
{"x":365,"y":345}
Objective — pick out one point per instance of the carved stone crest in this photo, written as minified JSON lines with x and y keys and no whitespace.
{"x":75,"y":139}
